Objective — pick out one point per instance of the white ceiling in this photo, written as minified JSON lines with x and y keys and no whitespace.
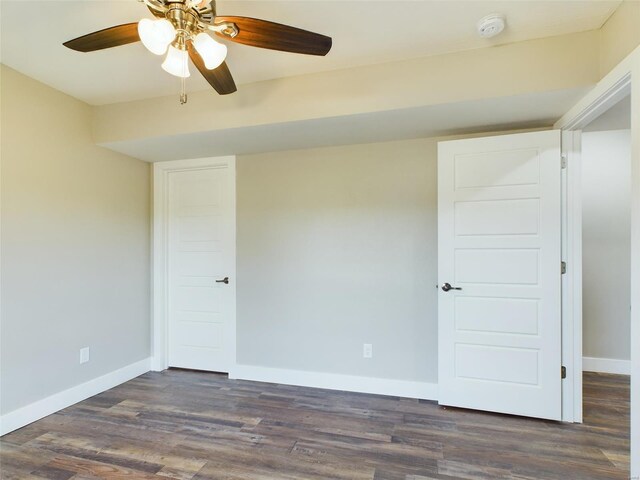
{"x":363,"y":31}
{"x":487,"y":115}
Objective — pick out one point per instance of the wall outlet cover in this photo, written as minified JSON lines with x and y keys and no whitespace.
{"x":84,"y":355}
{"x":367,"y":350}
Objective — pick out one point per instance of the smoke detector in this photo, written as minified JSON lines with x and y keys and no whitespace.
{"x":491,"y":25}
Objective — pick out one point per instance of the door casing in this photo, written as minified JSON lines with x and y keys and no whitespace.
{"x":572,"y":244}
{"x":622,"y":80}
{"x":159,"y":277}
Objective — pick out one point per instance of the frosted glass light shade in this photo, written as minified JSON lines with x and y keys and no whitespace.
{"x":177,"y":62}
{"x":212,"y":52}
{"x":156,"y":35}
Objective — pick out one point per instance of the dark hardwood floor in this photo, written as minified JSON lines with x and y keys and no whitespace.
{"x":191,"y":425}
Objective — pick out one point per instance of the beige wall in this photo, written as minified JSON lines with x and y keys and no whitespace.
{"x":620,"y":35}
{"x":337,"y":248}
{"x":606,"y":243}
{"x":75,"y":247}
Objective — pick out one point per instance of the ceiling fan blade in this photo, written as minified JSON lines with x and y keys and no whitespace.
{"x":264,"y":34}
{"x":107,"y":38}
{"x":219,"y":78}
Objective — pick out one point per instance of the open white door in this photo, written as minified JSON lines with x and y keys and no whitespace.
{"x":499,"y":248}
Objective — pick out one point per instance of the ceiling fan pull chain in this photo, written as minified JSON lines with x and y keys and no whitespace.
{"x":183,"y":91}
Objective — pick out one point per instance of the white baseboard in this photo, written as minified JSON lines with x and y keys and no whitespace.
{"x":606,"y":365}
{"x":56,"y":402}
{"x":333,"y":381}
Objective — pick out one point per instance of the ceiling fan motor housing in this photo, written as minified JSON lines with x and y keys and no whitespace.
{"x":184,"y":20}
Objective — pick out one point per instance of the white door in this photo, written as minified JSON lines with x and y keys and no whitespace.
{"x":499,"y":248}
{"x":200,"y":233}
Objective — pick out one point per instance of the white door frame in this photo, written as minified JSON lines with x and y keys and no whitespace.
{"x":159,"y":322}
{"x":572,"y":280}
{"x":622,"y":80}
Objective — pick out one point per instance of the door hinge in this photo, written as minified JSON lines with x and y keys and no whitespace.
{"x":563,"y":160}
{"x":563,"y":267}
{"x":563,"y":372}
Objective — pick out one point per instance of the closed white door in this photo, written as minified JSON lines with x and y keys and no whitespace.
{"x":499,"y":249}
{"x":201,"y":267}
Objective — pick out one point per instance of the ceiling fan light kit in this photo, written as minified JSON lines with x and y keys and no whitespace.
{"x":213,"y":53}
{"x":177,"y":62}
{"x":156,"y":35}
{"x":181,"y":30}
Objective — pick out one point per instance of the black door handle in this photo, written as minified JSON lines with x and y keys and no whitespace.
{"x":225,"y":280}
{"x":447,"y":286}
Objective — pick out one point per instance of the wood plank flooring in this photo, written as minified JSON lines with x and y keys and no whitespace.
{"x":195,"y":426}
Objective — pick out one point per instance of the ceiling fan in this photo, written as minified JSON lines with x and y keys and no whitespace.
{"x":181,"y":30}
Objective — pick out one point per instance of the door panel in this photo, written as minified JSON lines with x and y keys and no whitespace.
{"x":200,"y":251}
{"x":496,"y":266}
{"x":488,"y":314}
{"x":499,"y":341}
{"x":501,"y":364}
{"x":497,"y":168}
{"x":497,"y":217}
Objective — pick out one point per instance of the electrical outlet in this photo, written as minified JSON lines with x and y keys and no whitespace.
{"x":84,"y":355}
{"x":367,"y":350}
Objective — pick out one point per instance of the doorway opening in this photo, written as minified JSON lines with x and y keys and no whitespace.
{"x":605,"y":194}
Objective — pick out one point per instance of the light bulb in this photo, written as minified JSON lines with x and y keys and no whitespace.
{"x":156,"y":35}
{"x":212,"y":52}
{"x":177,"y":62}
